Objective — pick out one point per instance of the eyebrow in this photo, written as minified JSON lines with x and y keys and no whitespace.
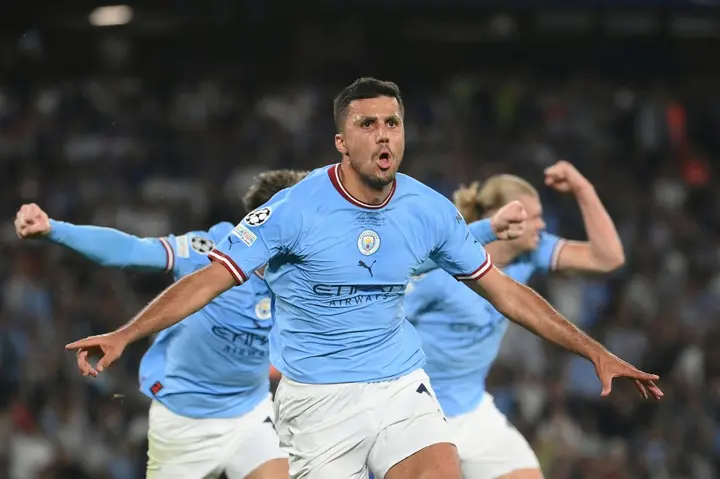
{"x":375,"y":118}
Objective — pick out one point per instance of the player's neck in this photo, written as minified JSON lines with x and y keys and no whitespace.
{"x":360,"y":190}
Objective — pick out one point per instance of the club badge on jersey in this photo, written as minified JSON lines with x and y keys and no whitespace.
{"x":263,"y":309}
{"x":368,"y":242}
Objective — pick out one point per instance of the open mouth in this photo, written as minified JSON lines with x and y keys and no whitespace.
{"x":385,"y":160}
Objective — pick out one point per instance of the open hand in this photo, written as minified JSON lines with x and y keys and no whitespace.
{"x":109,"y":346}
{"x":31,"y":221}
{"x":608,"y":367}
{"x":509,"y":221}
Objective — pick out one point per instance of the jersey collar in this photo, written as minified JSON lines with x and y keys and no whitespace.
{"x":260,"y":272}
{"x":334,"y":173}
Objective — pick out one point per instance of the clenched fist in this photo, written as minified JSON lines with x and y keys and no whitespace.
{"x":31,"y":221}
{"x":508,"y":222}
{"x":564,"y":177}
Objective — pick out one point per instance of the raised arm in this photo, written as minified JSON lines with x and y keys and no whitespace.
{"x":603,"y":252}
{"x":525,"y":307}
{"x":105,"y":246}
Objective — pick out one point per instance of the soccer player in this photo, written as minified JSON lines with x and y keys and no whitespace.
{"x":340,"y":248}
{"x":462,"y":333}
{"x":208,"y":376}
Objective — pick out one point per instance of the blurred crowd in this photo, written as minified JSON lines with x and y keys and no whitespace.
{"x":151,"y":160}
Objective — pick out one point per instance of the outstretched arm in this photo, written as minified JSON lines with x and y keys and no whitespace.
{"x":113,"y":248}
{"x":180,"y":300}
{"x":105,"y":246}
{"x":249,"y":246}
{"x":522,"y":305}
{"x":525,"y":307}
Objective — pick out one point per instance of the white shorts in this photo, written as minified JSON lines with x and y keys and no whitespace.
{"x":342,"y":431}
{"x":181,"y":447}
{"x":488,"y":445}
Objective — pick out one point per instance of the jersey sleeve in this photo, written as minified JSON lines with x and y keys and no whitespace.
{"x":457,"y":251}
{"x":188,"y":252}
{"x":482,"y":231}
{"x":545,"y":256}
{"x":113,"y":248}
{"x":268,"y":231}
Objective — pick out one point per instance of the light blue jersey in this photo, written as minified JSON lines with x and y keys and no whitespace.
{"x":461,"y":332}
{"x":215,"y":363}
{"x":338,"y":269}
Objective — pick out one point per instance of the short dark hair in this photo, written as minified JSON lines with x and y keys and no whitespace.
{"x":361,"y":89}
{"x":267,"y":184}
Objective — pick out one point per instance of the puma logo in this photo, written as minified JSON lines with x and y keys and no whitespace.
{"x":362,"y":264}
{"x":423,"y":389}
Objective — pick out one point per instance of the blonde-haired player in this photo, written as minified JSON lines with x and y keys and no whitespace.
{"x":462,"y":333}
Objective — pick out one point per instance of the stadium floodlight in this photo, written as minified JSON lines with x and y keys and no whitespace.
{"x":111,"y":16}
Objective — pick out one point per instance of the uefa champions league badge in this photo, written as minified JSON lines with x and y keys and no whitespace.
{"x":368,"y":242}
{"x":258,"y":217}
{"x":202,"y":245}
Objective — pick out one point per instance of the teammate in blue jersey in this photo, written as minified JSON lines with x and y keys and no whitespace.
{"x":340,"y":248}
{"x":462,"y":332}
{"x":207,"y":376}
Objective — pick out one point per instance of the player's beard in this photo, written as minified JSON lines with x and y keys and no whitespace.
{"x":373,"y":176}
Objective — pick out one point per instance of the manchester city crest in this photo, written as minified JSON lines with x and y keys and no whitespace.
{"x":263,"y":309}
{"x":368,"y":242}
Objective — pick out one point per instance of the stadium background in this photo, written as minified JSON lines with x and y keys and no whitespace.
{"x":157,"y":126}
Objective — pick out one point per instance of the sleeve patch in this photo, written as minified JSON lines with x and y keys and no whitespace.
{"x":182,"y":247}
{"x":258,"y":217}
{"x":245,"y":235}
{"x":201,"y":245}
